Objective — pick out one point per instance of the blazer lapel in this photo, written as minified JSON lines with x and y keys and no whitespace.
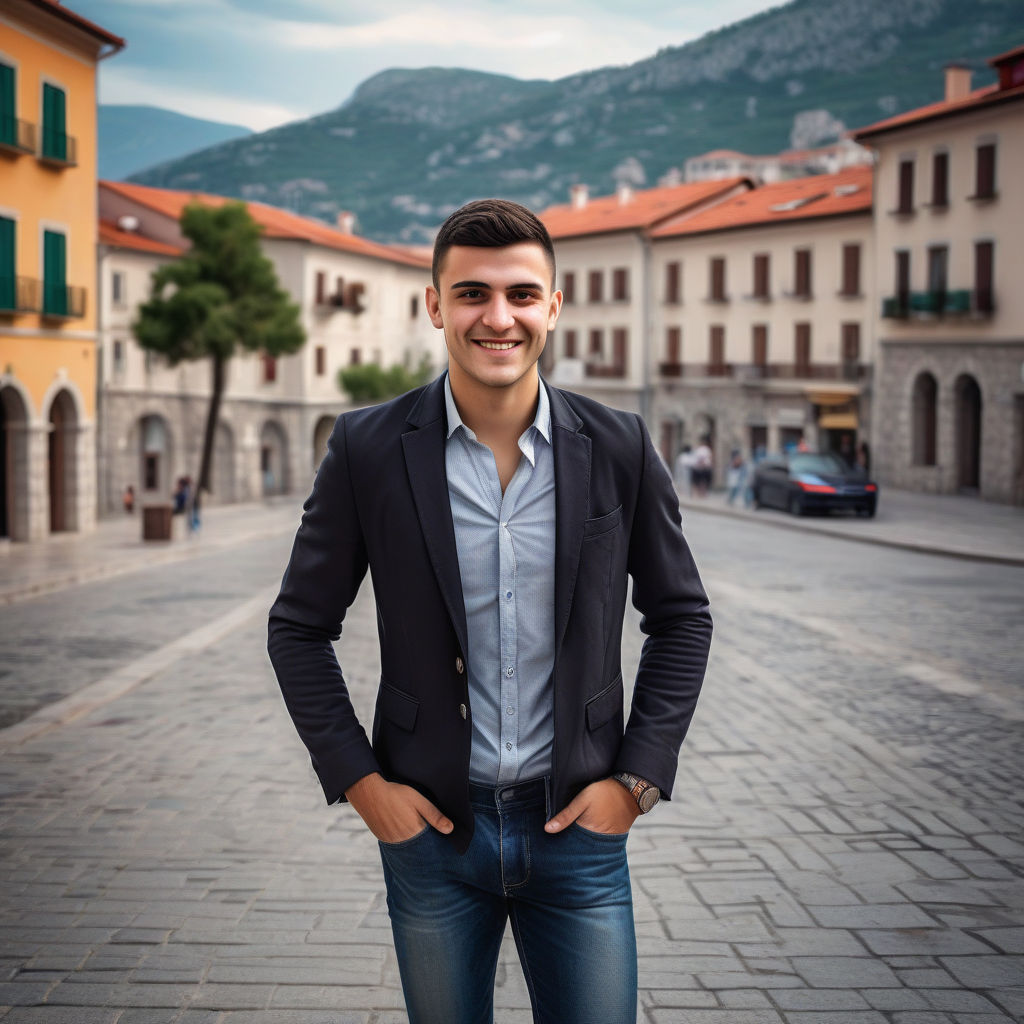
{"x":424,"y":449}
{"x":572,"y":500}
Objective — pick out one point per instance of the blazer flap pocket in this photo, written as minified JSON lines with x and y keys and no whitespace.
{"x":605,"y":705}
{"x":602,"y":524}
{"x":397,"y":707}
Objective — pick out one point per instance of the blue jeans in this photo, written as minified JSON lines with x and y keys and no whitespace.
{"x":568,"y":898}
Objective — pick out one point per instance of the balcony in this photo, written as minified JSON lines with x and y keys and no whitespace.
{"x":17,"y":136}
{"x":63,"y":302}
{"x":59,"y":149}
{"x":670,"y":369}
{"x":20,"y":295}
{"x":935,"y":305}
{"x":604,"y":370}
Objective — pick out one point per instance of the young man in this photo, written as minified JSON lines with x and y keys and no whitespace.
{"x":499,"y":518}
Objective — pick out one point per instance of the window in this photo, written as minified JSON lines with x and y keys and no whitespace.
{"x":55,"y":139}
{"x":620,"y":350}
{"x":902,"y":283}
{"x":321,"y":360}
{"x":620,"y":284}
{"x":905,"y":199}
{"x":923,"y":412}
{"x":55,"y":285}
{"x":414,"y":307}
{"x":851,"y":270}
{"x":802,"y":349}
{"x":570,"y":344}
{"x":569,"y":286}
{"x":762,"y":270}
{"x":938,"y":261}
{"x":802,"y":273}
{"x":850,"y":342}
{"x":716,"y":279}
{"x":985,"y":172}
{"x":940,"y":179}
{"x":117,"y":292}
{"x":8,"y":265}
{"x":269,"y":368}
{"x":118,"y":358}
{"x":759,"y":345}
{"x":716,"y":348}
{"x":674,"y":345}
{"x":355,"y":356}
{"x":321,"y":288}
{"x":595,"y":289}
{"x":984,"y":259}
{"x":673,"y":281}
{"x":8,"y":107}
{"x":150,"y":361}
{"x":597,"y":345}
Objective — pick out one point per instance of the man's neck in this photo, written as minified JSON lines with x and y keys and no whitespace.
{"x":496,"y":415}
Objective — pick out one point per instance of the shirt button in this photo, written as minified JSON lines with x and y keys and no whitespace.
{"x":510,"y":671}
{"x":508,"y":746}
{"x":508,"y":595}
{"x":463,"y":710}
{"x":509,"y":711}
{"x":460,"y":665}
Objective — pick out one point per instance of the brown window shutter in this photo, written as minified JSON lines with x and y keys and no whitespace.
{"x":903,"y":276}
{"x":717,"y":282}
{"x":620,"y":284}
{"x":940,"y":179}
{"x":761,"y":265}
{"x":802,"y":349}
{"x":851,"y":269}
{"x":759,"y":339}
{"x":906,"y":196}
{"x":985,"y":186}
{"x":802,"y":272}
{"x":595,"y":289}
{"x":597,"y":343}
{"x":851,"y":343}
{"x":269,"y":369}
{"x":321,"y":287}
{"x":673,"y":344}
{"x":569,"y":286}
{"x":321,"y":360}
{"x":984,"y":266}
{"x":570,"y":344}
{"x":620,"y":349}
{"x":672,"y":280}
{"x":355,"y":357}
{"x":716,"y":346}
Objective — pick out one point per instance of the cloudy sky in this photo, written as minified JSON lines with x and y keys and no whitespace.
{"x":261,"y":63}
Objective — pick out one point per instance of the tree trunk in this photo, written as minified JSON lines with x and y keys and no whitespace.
{"x":206,"y":465}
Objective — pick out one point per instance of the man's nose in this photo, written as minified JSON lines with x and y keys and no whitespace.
{"x":498,"y":314}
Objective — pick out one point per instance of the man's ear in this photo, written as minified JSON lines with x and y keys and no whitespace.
{"x":433,"y":304}
{"x":554,"y":309}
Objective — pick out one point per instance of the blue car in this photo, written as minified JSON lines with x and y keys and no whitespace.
{"x":813,"y":482}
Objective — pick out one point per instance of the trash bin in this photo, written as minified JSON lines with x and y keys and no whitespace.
{"x":156,"y":522}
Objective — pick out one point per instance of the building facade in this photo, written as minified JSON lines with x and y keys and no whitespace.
{"x":950,"y":311}
{"x":48,"y":58}
{"x":360,"y":302}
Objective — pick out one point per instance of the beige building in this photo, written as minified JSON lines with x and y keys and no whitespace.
{"x":762,"y":319}
{"x":791,"y":163}
{"x":360,"y":302}
{"x":602,"y":246}
{"x":950,"y":312}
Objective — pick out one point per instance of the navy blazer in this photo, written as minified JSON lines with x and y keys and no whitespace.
{"x":380,"y":500}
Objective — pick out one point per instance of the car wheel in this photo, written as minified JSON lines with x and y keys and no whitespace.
{"x":796,"y":505}
{"x":869,"y":512}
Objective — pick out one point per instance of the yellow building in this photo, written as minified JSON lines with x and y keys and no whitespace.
{"x":48,"y":61}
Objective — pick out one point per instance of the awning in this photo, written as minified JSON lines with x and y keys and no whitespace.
{"x":838,"y":421}
{"x":832,"y":397}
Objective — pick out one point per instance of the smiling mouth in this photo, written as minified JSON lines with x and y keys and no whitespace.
{"x":496,"y":346}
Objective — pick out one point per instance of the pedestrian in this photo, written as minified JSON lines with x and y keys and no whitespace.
{"x":180,"y":496}
{"x":193,"y":511}
{"x":703,"y":467}
{"x":735,"y":475}
{"x":684,"y":470}
{"x":499,"y":518}
{"x":128,"y":499}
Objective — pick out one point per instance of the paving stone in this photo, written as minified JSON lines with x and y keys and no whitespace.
{"x":819,"y":999}
{"x":844,"y":972}
{"x":986,"y":972}
{"x":921,"y":941}
{"x":890,"y":999}
{"x":903,"y":915}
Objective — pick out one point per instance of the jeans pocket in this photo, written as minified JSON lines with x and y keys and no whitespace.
{"x":605,"y":836}
{"x":405,"y":843}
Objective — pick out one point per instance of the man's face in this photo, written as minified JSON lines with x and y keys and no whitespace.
{"x":496,"y":307}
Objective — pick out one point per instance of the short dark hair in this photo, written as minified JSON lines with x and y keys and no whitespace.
{"x":491,"y":224}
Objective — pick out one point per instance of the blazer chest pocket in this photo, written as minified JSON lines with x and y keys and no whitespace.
{"x":601,"y":525}
{"x":397,"y":707}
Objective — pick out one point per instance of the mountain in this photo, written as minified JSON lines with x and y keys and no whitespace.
{"x":134,"y":138}
{"x":409,"y":146}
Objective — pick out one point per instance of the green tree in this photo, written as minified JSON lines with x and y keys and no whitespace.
{"x":222,"y":295}
{"x":370,"y":382}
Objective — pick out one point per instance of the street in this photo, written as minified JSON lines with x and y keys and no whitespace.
{"x":844,"y":845}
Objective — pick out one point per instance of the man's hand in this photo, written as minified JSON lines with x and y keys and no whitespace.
{"x":604,"y":806}
{"x":393,"y":812}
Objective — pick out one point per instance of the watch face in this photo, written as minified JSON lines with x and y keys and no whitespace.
{"x":648,"y":798}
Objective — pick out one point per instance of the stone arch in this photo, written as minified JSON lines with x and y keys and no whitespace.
{"x":274,"y":468}
{"x":924,"y":407}
{"x":15,"y":407}
{"x":321,"y":435}
{"x":62,"y":461}
{"x":153,"y":446}
{"x":967,"y":403}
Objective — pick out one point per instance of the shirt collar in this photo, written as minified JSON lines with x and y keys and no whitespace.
{"x":541,"y":422}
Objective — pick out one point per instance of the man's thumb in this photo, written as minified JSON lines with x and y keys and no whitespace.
{"x":564,"y":817}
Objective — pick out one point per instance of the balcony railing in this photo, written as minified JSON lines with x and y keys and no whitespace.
{"x":670,"y":369}
{"x":20,"y":295}
{"x":63,"y":303}
{"x":933,"y":305}
{"x":604,"y":370}
{"x":17,"y":136}
{"x":58,"y":148}
{"x":848,"y":371}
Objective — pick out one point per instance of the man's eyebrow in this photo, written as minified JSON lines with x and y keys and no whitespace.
{"x":470,"y":284}
{"x":527,"y":286}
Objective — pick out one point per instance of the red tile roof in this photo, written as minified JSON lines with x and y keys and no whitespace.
{"x":642,"y":210}
{"x":62,"y":12}
{"x":818,"y":195}
{"x":276,"y":223}
{"x":111,"y":234}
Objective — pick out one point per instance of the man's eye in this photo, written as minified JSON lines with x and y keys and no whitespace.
{"x":472,"y":293}
{"x":522,"y":296}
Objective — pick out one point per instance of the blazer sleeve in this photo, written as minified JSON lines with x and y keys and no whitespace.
{"x":327,"y":565}
{"x":668,"y":593}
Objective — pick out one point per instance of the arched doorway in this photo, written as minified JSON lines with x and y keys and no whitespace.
{"x":154,"y":440}
{"x":924,"y":405}
{"x":967,"y":426}
{"x":273,"y":459}
{"x":223,"y":476}
{"x":321,"y":435}
{"x":61,"y":461}
{"x":13,"y":465}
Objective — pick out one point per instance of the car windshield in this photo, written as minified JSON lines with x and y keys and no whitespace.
{"x":818,"y":464}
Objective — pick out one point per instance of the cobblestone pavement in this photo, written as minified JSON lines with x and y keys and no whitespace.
{"x":844,"y":845}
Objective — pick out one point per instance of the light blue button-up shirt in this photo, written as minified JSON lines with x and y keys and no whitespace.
{"x":506,"y":547}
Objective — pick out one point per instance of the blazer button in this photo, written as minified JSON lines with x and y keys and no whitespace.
{"x":463,"y":710}
{"x":460,"y":667}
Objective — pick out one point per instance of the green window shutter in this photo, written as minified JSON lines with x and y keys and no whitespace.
{"x":55,"y":292}
{"x":8,"y":108}
{"x":55,"y":141}
{"x":8,"y":278}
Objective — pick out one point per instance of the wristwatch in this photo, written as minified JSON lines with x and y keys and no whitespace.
{"x":645,"y":793}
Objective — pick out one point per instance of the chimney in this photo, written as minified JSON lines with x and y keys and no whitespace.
{"x":578,"y":196}
{"x":624,"y":193}
{"x":346,"y":222}
{"x":958,"y":82}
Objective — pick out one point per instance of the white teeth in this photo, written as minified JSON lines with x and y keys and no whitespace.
{"x":498,"y":346}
